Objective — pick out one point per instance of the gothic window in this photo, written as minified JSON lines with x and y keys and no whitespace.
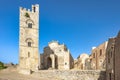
{"x":108,"y":60}
{"x":111,"y":54}
{"x":28,"y":54}
{"x":29,"y":44}
{"x":60,"y":50}
{"x":34,"y":9}
{"x":65,"y":63}
{"x":108,"y":56}
{"x":52,"y":52}
{"x":100,"y":52}
{"x":29,"y":25}
{"x":100,"y":60}
{"x":110,"y":76}
{"x":94,"y":55}
{"x":65,"y":49}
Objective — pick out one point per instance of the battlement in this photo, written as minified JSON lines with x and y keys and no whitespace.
{"x":35,"y":8}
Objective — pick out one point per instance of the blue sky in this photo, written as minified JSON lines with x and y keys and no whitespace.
{"x":80,"y":24}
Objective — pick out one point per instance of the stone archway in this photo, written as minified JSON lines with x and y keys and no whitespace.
{"x":49,"y":62}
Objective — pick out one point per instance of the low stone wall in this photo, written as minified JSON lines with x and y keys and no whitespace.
{"x":71,"y":74}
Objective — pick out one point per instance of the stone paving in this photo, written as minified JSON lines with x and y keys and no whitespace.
{"x":12,"y":74}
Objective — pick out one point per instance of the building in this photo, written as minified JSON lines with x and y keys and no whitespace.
{"x":56,"y":56}
{"x":117,"y":57}
{"x":28,"y":40}
{"x":113,"y":59}
{"x":75,"y":63}
{"x":88,"y":64}
{"x":97,"y":57}
{"x":95,"y":61}
{"x":80,"y":63}
{"x":110,"y":59}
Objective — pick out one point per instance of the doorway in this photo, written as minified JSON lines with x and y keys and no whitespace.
{"x":49,"y":63}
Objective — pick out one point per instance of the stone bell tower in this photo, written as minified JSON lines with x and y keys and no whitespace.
{"x":29,"y":39}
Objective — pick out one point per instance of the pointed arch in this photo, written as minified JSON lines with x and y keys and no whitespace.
{"x":29,"y":40}
{"x":29,"y":21}
{"x":49,"y":62}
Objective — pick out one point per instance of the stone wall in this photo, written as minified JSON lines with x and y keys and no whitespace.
{"x":98,"y":56}
{"x":57,"y":56}
{"x":117,"y":57}
{"x":81,"y":61}
{"x":29,"y":39}
{"x":71,"y":74}
{"x":110,"y":59}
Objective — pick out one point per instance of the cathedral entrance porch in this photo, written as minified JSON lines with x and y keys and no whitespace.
{"x":49,"y":63}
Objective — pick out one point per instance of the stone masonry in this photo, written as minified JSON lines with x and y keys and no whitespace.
{"x":56,"y":56}
{"x":28,"y":40}
{"x":97,"y":57}
{"x":81,"y":62}
{"x":113,"y":59}
{"x":71,"y":74}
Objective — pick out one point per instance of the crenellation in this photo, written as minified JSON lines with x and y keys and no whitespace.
{"x":28,"y":10}
{"x":35,"y":8}
{"x":23,"y":9}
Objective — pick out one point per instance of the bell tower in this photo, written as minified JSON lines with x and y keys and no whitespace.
{"x":29,"y":39}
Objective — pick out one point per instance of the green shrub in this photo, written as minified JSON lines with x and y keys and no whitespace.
{"x":27,"y":15}
{"x":2,"y":65}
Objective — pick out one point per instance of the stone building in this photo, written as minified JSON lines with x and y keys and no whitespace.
{"x":28,"y":40}
{"x":56,"y":56}
{"x":75,"y":63}
{"x":88,"y":64}
{"x":97,"y":57}
{"x":110,"y":59}
{"x":117,"y":57}
{"x":95,"y":61}
{"x":80,"y":63}
{"x":113,"y":59}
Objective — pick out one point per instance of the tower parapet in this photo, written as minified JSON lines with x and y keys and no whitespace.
{"x":35,"y":8}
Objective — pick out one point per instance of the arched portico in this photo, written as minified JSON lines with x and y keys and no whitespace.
{"x":49,"y":63}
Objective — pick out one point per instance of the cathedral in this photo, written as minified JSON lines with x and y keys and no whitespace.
{"x":55,"y":56}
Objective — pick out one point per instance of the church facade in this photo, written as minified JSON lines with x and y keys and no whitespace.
{"x":56,"y":56}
